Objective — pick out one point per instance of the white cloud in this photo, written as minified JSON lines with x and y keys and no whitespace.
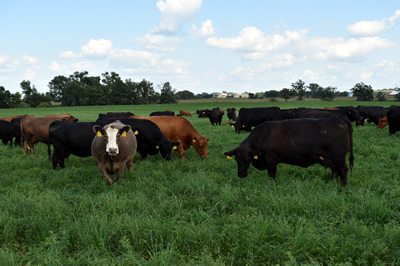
{"x":368,"y":28}
{"x":69,"y":55}
{"x":252,"y":39}
{"x":206,"y":30}
{"x":56,"y":67}
{"x":174,"y":13}
{"x":158,"y":42}
{"x":97,"y":48}
{"x":29,"y":60}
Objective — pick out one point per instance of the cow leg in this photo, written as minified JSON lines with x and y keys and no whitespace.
{"x":129,"y":164}
{"x":271,"y":168}
{"x":105,"y":175}
{"x":181,"y":150}
{"x":119,"y":172}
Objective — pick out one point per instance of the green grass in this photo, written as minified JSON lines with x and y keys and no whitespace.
{"x":199,"y":211}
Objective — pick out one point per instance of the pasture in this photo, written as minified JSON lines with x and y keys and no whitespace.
{"x":199,"y":211}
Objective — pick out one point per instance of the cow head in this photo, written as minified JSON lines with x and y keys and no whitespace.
{"x":70,"y":119}
{"x":111,"y":136}
{"x":243,"y":157}
{"x":200,"y":144}
{"x":382,"y":122}
{"x":166,"y":147}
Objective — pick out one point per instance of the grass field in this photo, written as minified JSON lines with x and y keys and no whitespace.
{"x":199,"y":211}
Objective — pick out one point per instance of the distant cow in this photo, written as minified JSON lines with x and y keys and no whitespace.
{"x":5,"y":132}
{"x":113,"y":148}
{"x":179,"y":129}
{"x":35,"y":129}
{"x":393,"y":118}
{"x":161,"y":113}
{"x":371,"y":113}
{"x":231,"y":113}
{"x":203,"y":113}
{"x":150,"y":139}
{"x":184,"y":113}
{"x":251,"y":117}
{"x":215,"y":116}
{"x":116,"y":114}
{"x":301,"y":142}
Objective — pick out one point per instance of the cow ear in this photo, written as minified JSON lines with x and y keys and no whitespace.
{"x":256,"y":155}
{"x":125,"y":130}
{"x":97,"y":129}
{"x":175,"y":145}
{"x":229,"y":154}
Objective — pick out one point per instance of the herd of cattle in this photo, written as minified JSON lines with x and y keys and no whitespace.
{"x":299,"y":136}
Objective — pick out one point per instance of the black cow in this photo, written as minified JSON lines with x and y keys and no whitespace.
{"x":16,"y":130}
{"x":231,"y":113}
{"x":371,"y":113}
{"x":116,"y":114}
{"x":161,"y":113}
{"x":203,"y":113}
{"x":301,"y":142}
{"x":215,"y":116}
{"x":317,"y":113}
{"x":251,"y":117}
{"x":393,"y":118}
{"x":5,"y":132}
{"x":352,"y":113}
{"x":150,"y":139}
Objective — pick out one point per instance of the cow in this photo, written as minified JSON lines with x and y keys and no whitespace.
{"x":162,"y":113}
{"x":10,"y":118}
{"x":393,"y":118}
{"x":6,"y":132}
{"x":251,"y":117}
{"x":382,"y":122}
{"x":302,"y":142}
{"x":113,"y":148}
{"x":317,"y":113}
{"x":35,"y":129}
{"x":203,"y":113}
{"x":184,"y":113}
{"x":215,"y":116}
{"x":179,"y":129}
{"x":371,"y":113}
{"x":16,"y":130}
{"x":231,"y":113}
{"x":150,"y":139}
{"x":116,"y":114}
{"x":351,"y":112}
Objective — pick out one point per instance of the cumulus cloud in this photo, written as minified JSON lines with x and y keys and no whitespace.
{"x":253,"y":39}
{"x":158,"y":42}
{"x":206,"y":30}
{"x":57,"y":67}
{"x":368,"y":28}
{"x":174,"y":13}
{"x":97,"y":48}
{"x":69,"y":55}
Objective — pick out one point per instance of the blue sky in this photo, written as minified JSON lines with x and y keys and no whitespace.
{"x":203,"y":45}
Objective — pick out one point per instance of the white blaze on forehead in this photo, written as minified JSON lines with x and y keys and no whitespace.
{"x":112,"y":140}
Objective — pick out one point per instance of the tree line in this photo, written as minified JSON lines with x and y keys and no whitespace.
{"x":80,"y":89}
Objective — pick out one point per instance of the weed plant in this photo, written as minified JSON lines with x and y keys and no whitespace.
{"x":199,"y":211}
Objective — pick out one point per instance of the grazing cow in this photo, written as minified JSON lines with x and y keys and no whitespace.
{"x":179,"y":129}
{"x":301,"y":142}
{"x":10,"y":118}
{"x":162,"y":113}
{"x":16,"y":130}
{"x":203,"y":113}
{"x":382,"y":122}
{"x":113,"y":148}
{"x":116,"y":114}
{"x":288,"y":113}
{"x":351,"y":112}
{"x":231,"y":113}
{"x":371,"y":113}
{"x":35,"y":129}
{"x":184,"y":113}
{"x":150,"y":139}
{"x":393,"y":118}
{"x":215,"y":116}
{"x":5,"y":132}
{"x":317,"y":113}
{"x":251,"y":117}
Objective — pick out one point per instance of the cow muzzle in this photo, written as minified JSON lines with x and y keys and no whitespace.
{"x":112,"y":151}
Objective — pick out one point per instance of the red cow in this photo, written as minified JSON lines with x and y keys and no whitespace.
{"x":185,"y":112}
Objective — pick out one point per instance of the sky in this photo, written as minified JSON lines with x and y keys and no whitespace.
{"x":203,"y":45}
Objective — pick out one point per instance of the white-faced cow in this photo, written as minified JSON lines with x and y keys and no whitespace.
{"x":113,"y":148}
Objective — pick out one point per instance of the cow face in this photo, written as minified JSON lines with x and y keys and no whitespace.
{"x":200,"y":144}
{"x":166,"y":147}
{"x":243,"y":157}
{"x":382,"y":122}
{"x":111,"y":136}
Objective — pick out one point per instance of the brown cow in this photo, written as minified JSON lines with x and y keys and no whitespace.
{"x":10,"y":118}
{"x":177,"y":128}
{"x":113,"y":147}
{"x":184,"y":112}
{"x":382,"y":122}
{"x":35,"y":129}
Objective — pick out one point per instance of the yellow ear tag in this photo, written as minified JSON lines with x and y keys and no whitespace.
{"x":194,"y":140}
{"x":243,"y":126}
{"x":123,"y":134}
{"x":255,"y":157}
{"x":175,"y":147}
{"x":99,"y":133}
{"x":157,"y":147}
{"x":232,"y":126}
{"x":136,"y":132}
{"x":229,"y":157}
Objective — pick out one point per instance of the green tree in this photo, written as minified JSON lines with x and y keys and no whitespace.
{"x":314,"y":90}
{"x":363,"y":92}
{"x":300,"y":89}
{"x":287,"y":94}
{"x":142,"y":92}
{"x":380,"y":96}
{"x":16,"y":99}
{"x":5,"y":98}
{"x":272,"y":94}
{"x":56,"y":86}
{"x":167,"y":94}
{"x":185,"y":95}
{"x":32,"y":96}
{"x":117,"y":90}
{"x":327,"y":94}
